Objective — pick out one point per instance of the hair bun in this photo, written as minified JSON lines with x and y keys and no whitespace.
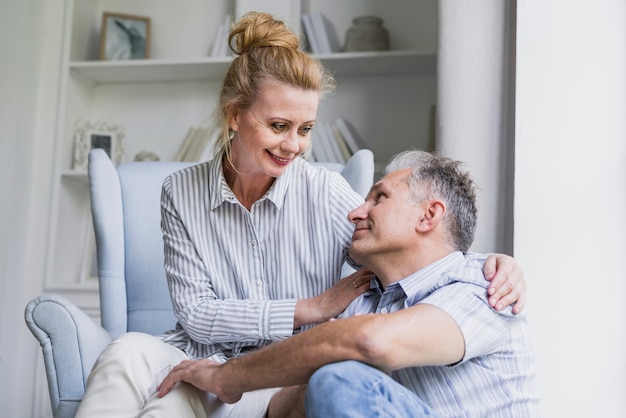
{"x":258,"y":30}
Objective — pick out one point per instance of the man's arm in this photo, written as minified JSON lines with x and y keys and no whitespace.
{"x":416,"y":336}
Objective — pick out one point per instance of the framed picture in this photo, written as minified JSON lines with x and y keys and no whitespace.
{"x":89,"y":135}
{"x":124,"y":37}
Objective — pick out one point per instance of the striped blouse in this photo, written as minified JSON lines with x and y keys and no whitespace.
{"x":496,"y":377}
{"x":235,"y":275}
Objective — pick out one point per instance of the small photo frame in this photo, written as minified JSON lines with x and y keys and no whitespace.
{"x":124,"y":37}
{"x":89,"y":135}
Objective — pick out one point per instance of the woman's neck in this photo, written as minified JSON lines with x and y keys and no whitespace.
{"x":247,"y":188}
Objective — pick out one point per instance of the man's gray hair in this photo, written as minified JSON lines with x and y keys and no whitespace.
{"x":433,"y":176}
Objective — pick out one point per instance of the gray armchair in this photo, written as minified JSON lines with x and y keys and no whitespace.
{"x":133,"y":290}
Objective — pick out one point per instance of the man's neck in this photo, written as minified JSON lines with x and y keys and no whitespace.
{"x":393,"y":269}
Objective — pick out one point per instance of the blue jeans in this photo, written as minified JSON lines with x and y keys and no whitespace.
{"x":353,"y":389}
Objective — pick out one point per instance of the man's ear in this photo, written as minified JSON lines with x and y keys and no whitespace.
{"x":432,"y":214}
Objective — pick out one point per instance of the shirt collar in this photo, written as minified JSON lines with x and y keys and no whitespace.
{"x":275,"y":194}
{"x":419,"y":284}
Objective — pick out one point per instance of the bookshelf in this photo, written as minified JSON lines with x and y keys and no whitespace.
{"x":386,"y":96}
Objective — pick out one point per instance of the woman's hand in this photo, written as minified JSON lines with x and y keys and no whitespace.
{"x":508,"y":285}
{"x":332,"y":302}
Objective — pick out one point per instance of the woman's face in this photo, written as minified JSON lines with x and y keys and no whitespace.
{"x":274,"y":130}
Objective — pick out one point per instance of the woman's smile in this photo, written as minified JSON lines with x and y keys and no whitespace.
{"x":279,"y":160}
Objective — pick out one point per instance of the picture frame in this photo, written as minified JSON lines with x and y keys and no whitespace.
{"x":89,"y":135}
{"x":124,"y":37}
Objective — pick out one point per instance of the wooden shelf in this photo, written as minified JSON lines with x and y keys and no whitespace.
{"x":213,"y":69}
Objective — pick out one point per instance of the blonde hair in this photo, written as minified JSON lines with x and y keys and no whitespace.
{"x":265,"y":48}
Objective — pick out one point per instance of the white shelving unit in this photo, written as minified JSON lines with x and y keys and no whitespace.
{"x":213,"y":69}
{"x":387,"y":96}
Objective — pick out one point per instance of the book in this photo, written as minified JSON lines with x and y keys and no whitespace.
{"x":220,"y":48}
{"x":217,"y":39}
{"x":345,"y":151}
{"x":288,"y":11}
{"x":186,"y":144}
{"x":198,"y":145}
{"x":321,"y":147}
{"x":307,"y":25}
{"x":325,"y":34}
{"x":333,"y":145}
{"x":226,"y":27}
{"x":350,"y":135}
{"x":194,"y":144}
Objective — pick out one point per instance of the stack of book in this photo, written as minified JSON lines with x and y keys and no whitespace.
{"x":335,"y":143}
{"x":195,"y":145}
{"x":320,"y":34}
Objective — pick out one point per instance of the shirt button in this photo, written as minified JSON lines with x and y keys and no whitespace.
{"x":383,"y":310}
{"x":254,"y":243}
{"x":259,"y":282}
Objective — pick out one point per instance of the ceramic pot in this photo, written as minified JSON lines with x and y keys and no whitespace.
{"x":367,"y":34}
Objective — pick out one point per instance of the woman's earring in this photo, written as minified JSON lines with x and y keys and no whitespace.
{"x":231,"y":134}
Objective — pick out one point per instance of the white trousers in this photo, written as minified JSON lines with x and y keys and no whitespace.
{"x":124,"y":379}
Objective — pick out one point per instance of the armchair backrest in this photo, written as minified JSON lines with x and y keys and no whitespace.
{"x":125,"y":206}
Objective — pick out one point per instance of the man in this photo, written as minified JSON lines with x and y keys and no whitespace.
{"x":425,"y":321}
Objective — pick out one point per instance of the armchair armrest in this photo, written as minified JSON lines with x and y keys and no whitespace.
{"x":71,"y":342}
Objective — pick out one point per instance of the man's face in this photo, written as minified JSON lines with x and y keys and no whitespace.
{"x":385,"y":223}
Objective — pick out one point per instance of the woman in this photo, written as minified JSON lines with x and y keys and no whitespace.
{"x":254,"y":239}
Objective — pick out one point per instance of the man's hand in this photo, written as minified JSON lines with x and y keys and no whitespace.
{"x":508,"y":285}
{"x":201,"y":374}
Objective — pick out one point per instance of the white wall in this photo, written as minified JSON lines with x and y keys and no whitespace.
{"x":570,"y":199}
{"x":26,"y":126}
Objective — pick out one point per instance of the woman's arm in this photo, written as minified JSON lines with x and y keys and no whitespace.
{"x":508,"y":285}
{"x":211,"y":301}
{"x":334,"y":301}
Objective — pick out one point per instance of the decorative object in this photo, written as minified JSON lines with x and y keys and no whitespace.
{"x":89,"y":135}
{"x":367,"y":34}
{"x":124,"y":37}
{"x":146,"y":156}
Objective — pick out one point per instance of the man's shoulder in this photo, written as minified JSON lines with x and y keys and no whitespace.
{"x":454,"y":268}
{"x":468,"y":271}
{"x":465,"y":283}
